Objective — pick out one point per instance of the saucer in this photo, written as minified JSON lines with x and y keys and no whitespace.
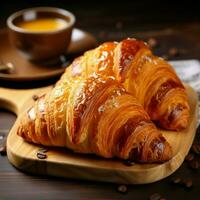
{"x":25,"y":70}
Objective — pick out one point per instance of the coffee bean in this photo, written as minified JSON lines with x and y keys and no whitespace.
{"x":122,"y":188}
{"x":3,"y":150}
{"x":43,"y":150}
{"x":173,"y":52}
{"x":155,"y":196}
{"x":162,"y":198}
{"x":152,"y":42}
{"x":41,"y":155}
{"x":196,"y":149}
{"x":129,"y":163}
{"x":35,"y":97}
{"x":176,"y":180}
{"x":194,"y":165}
{"x":189,"y":157}
{"x":188,"y":183}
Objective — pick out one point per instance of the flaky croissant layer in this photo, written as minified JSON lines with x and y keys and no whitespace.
{"x":149,"y":78}
{"x":95,"y":115}
{"x":104,"y":104}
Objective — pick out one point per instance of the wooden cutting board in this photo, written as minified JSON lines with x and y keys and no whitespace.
{"x":64,"y":163}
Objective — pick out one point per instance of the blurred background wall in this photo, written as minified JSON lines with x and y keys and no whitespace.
{"x":107,"y":19}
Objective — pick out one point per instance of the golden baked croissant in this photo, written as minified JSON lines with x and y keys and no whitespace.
{"x":151,"y":79}
{"x":94,"y":114}
{"x":98,"y":105}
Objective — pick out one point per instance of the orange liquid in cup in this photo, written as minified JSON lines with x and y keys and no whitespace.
{"x":43,"y":24}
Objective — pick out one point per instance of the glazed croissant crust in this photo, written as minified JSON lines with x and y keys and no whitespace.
{"x":105,"y":101}
{"x":94,"y":115}
{"x":149,"y":78}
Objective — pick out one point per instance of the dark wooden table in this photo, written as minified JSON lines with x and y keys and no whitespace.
{"x":173,"y":26}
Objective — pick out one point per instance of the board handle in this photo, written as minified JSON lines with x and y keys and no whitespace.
{"x":14,"y":99}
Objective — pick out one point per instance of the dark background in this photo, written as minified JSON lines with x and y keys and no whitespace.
{"x":173,"y":24}
{"x":103,"y":17}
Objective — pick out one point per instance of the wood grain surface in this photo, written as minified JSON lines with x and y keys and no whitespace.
{"x":64,"y":163}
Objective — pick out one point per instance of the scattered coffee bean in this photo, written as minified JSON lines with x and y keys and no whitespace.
{"x":176,"y":180}
{"x":122,"y":188}
{"x":162,"y":198}
{"x":41,"y":155}
{"x":35,"y":97}
{"x":189,"y":157}
{"x":152,"y":42}
{"x":43,"y":150}
{"x":196,"y":149}
{"x":188,"y":183}
{"x":155,"y":196}
{"x":129,"y":163}
{"x":3,"y":150}
{"x":194,"y":164}
{"x":173,"y":52}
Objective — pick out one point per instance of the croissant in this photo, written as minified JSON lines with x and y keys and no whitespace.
{"x":104,"y":104}
{"x":149,"y":78}
{"x":94,"y":114}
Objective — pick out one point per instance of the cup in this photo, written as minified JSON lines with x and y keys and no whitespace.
{"x":41,"y":33}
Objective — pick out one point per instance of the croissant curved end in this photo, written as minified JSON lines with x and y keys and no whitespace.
{"x":177,"y":120}
{"x":159,"y":152}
